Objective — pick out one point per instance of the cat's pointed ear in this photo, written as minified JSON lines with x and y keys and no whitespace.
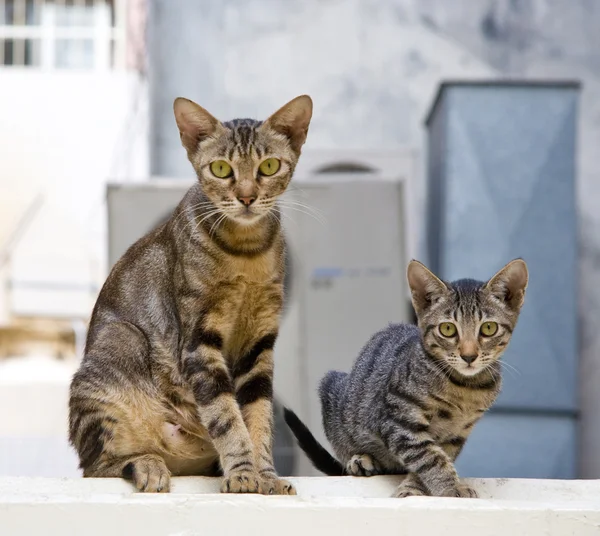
{"x":425,"y":286}
{"x":292,"y":120}
{"x":194,"y":123}
{"x":510,"y":283}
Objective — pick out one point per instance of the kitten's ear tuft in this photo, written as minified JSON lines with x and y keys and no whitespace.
{"x":292,"y":120}
{"x":194,"y":123}
{"x":425,"y":286}
{"x":510,"y":283}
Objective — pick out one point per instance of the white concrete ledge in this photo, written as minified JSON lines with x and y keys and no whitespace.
{"x":348,"y":506}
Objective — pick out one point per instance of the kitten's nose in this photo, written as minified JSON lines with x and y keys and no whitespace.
{"x":468,"y":359}
{"x":247,"y":200}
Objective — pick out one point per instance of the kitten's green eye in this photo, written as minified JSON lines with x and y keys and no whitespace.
{"x":269,"y":167}
{"x":447,"y":329}
{"x":488,"y":329}
{"x":221,"y":169}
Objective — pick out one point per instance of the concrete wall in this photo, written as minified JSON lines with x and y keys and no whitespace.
{"x":62,"y":136}
{"x":330,"y":506}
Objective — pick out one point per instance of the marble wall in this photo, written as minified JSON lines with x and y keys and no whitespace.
{"x":372,"y":67}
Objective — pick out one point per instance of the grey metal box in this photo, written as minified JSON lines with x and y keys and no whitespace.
{"x":506,"y":445}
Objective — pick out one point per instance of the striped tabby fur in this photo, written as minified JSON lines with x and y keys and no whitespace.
{"x":414,"y":394}
{"x":178,"y":366}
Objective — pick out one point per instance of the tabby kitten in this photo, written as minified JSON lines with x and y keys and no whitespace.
{"x":177,"y":376}
{"x":414,"y":394}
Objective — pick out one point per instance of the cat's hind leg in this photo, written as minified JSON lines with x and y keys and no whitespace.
{"x":363,"y":465}
{"x":113,"y":443}
{"x":115,"y":413}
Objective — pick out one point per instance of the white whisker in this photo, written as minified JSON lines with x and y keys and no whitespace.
{"x":185,"y":210}
{"x":216,"y":224}
{"x":286,"y":202}
{"x":197,"y":223}
{"x":316,"y":217}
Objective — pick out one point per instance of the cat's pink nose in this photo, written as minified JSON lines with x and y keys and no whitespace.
{"x":247,"y":200}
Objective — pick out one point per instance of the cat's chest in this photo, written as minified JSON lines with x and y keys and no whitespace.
{"x":248,"y":286}
{"x":454,"y":412}
{"x":259,"y":270}
{"x":248,"y":298}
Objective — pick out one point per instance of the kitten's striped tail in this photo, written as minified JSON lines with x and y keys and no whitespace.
{"x":316,"y":453}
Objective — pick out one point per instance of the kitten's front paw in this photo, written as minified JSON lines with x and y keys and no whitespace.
{"x":362,"y":465}
{"x":411,"y":486}
{"x":241,"y":482}
{"x":273,"y":485}
{"x":408,"y":491}
{"x":462,"y":490}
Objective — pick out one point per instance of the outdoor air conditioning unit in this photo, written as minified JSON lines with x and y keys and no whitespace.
{"x":345,"y":279}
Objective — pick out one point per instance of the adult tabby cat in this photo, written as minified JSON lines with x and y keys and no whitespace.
{"x":414,"y":394}
{"x":177,"y":373}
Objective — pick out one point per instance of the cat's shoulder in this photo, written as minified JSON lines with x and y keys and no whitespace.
{"x":403,"y":332}
{"x":394,"y":335}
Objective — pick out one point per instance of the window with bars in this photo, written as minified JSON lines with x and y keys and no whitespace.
{"x":61,"y":34}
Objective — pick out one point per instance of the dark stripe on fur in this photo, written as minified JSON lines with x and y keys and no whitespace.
{"x":465,"y":383}
{"x":207,"y":383}
{"x":428,"y":464}
{"x":455,"y":441}
{"x":254,"y":389}
{"x":409,"y":398}
{"x":241,"y":465}
{"x":317,"y":454}
{"x":444,"y":414}
{"x":205,"y":338}
{"x":406,"y":424}
{"x":91,"y":444}
{"x":247,"y":362}
{"x":412,"y":455}
{"x":218,"y":428}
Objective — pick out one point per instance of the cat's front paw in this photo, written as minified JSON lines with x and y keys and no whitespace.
{"x":461,"y":490}
{"x":241,"y":482}
{"x":273,"y":485}
{"x":362,"y":465}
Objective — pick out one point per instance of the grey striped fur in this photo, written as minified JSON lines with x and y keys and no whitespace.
{"x":410,"y":401}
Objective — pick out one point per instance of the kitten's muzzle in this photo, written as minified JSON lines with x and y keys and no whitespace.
{"x":468,"y":359}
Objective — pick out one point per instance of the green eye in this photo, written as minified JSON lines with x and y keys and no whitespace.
{"x":221,"y":169}
{"x":488,"y":329}
{"x":447,"y":329}
{"x":269,"y":167}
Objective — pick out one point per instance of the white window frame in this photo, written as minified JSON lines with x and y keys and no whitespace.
{"x":102,"y":33}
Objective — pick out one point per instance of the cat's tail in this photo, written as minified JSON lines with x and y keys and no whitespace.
{"x":316,"y":453}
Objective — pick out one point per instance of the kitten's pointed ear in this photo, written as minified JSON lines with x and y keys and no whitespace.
{"x":194,"y":123}
{"x":292,"y":120}
{"x":425,"y":286}
{"x":510,"y":283}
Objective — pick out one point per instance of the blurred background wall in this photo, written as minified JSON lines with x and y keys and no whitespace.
{"x":87,"y":89}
